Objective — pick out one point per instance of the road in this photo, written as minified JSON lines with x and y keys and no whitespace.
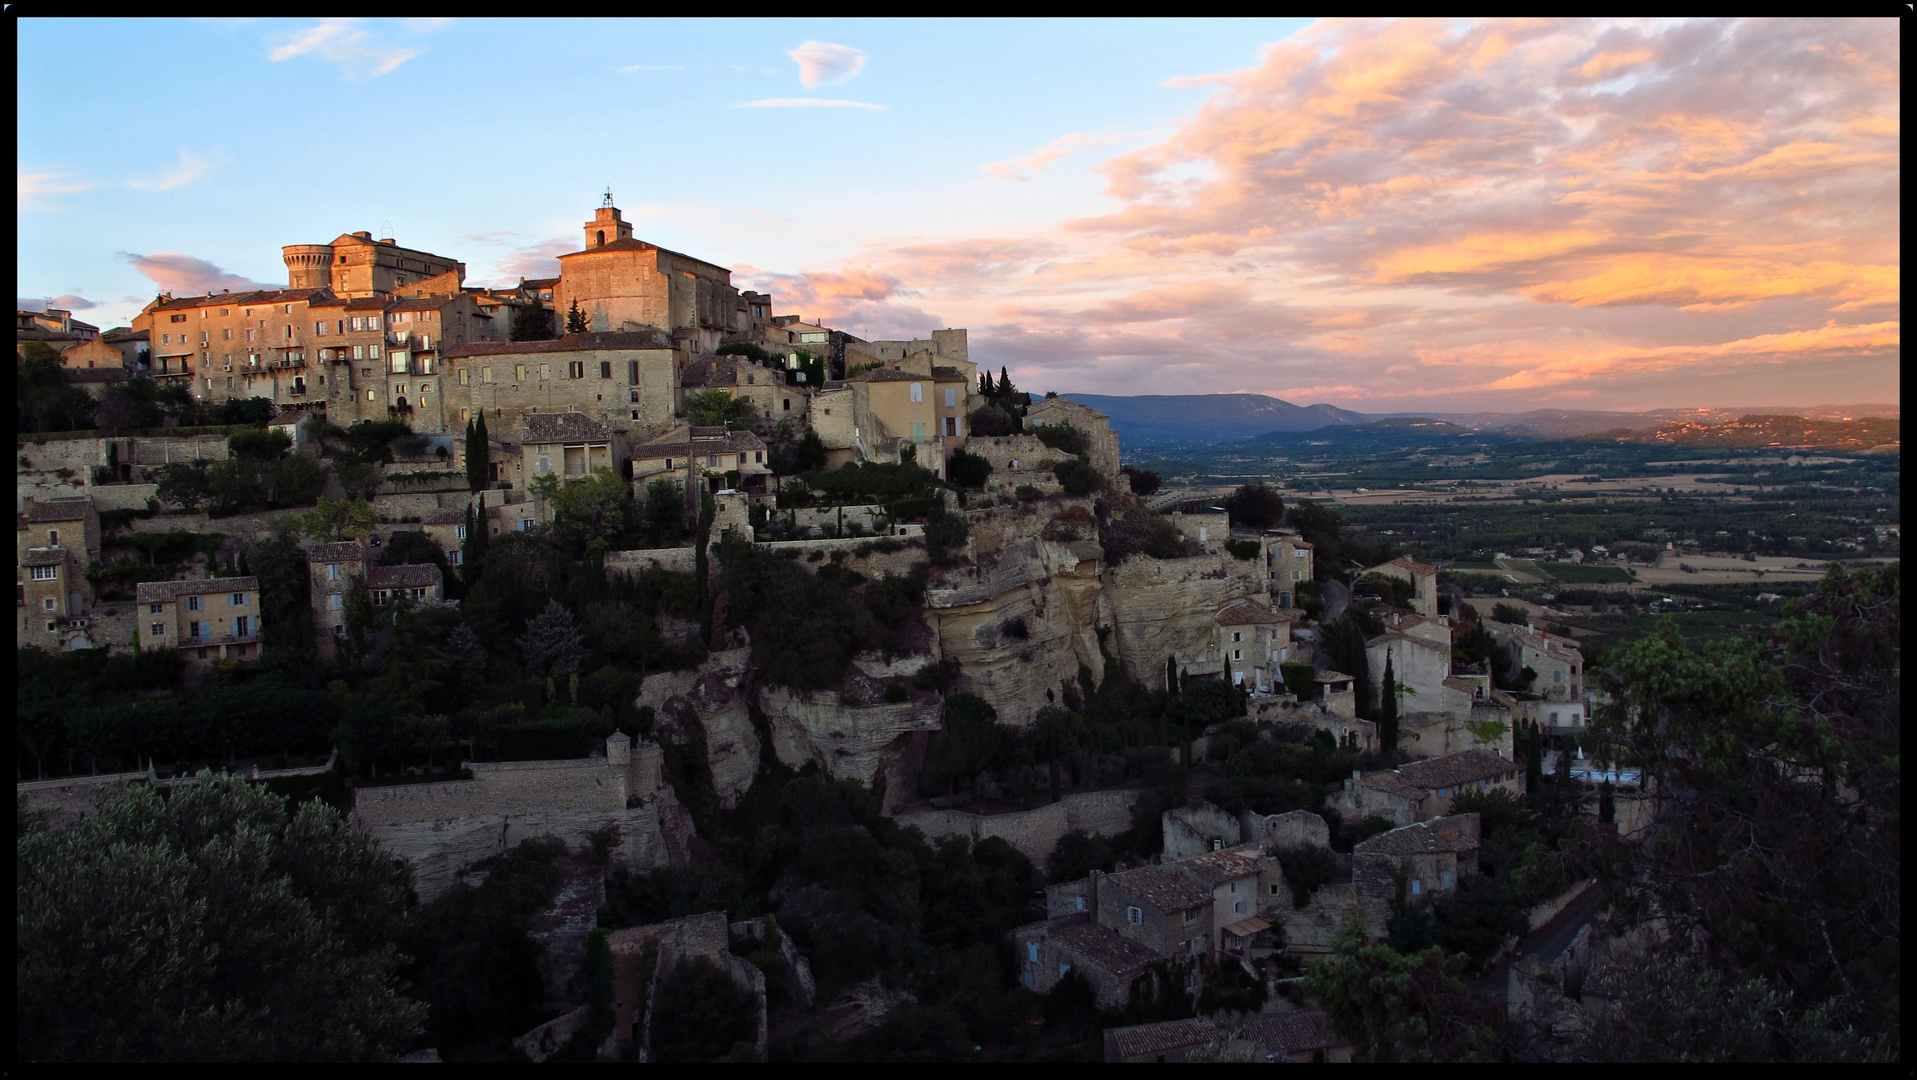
{"x":1547,"y":942}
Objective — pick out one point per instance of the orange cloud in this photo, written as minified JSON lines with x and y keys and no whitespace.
{"x":1830,"y":339}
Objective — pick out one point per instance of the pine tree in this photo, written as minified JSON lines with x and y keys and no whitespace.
{"x":476,"y":541}
{"x":552,"y":644}
{"x":575,"y":320}
{"x":1360,"y":665}
{"x":1004,"y":383}
{"x":1171,"y":675}
{"x":1388,"y":708}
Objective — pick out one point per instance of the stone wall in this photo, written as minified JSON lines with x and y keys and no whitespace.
{"x":65,"y":799}
{"x":1193,"y":830}
{"x":444,"y":827}
{"x":1035,"y":832}
{"x":1299,"y":828}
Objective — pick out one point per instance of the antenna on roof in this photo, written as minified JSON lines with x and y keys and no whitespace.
{"x":386,"y":230}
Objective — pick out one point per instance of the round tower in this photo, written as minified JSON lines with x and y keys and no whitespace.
{"x":308,"y":266}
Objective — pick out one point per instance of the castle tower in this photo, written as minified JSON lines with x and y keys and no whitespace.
{"x":606,"y":225}
{"x":308,"y":266}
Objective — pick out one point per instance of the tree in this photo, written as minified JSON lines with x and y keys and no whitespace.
{"x":1255,"y":506}
{"x":264,"y":444}
{"x":43,"y":399}
{"x":361,"y":479}
{"x":718,"y":408}
{"x":473,"y":557}
{"x":665,"y":512}
{"x":1388,"y":707}
{"x":967,"y":470}
{"x":183,"y":485}
{"x":593,"y":515}
{"x":575,"y":319}
{"x":116,"y":412}
{"x":531,"y":322}
{"x":478,"y":453}
{"x":1144,"y":481}
{"x":1077,"y":477}
{"x":339,"y":519}
{"x":1509,"y":613}
{"x":552,"y":644}
{"x":1393,"y":1007}
{"x":701,"y":1014}
{"x":286,"y":619}
{"x":208,"y":923}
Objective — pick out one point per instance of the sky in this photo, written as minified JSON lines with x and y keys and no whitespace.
{"x":1436,"y":215}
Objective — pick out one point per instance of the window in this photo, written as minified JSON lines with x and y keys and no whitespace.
{"x":372,"y":395}
{"x":459,"y":532}
{"x":238,"y":599}
{"x":1078,"y":903}
{"x":192,"y":603}
{"x":289,"y":330}
{"x":359,"y":352}
{"x":166,"y":339}
{"x":1417,"y":887}
{"x":1238,"y":654}
{"x":632,"y":372}
{"x":1239,"y":907}
{"x":519,"y":372}
{"x":918,"y":430}
{"x":525,"y":524}
{"x":153,"y":609}
{"x":1238,"y":635}
{"x":372,"y":352}
{"x":1297,"y":575}
{"x":242,"y":626}
{"x":465,"y":376}
{"x":575,"y":369}
{"x":918,"y":391}
{"x":333,"y":602}
{"x":1062,"y":969}
{"x":193,"y":629}
{"x":249,"y":335}
{"x":159,"y":629}
{"x":742,"y":459}
{"x":951,"y":427}
{"x":175,"y":318}
{"x":1273,"y":889}
{"x":545,"y":466}
{"x":44,"y":573}
{"x":455,"y":556}
{"x":1134,"y":916}
{"x":1558,"y":676}
{"x":545,"y":371}
{"x":1191,"y":915}
{"x":605,"y":369}
{"x":788,"y":405}
{"x":486,"y":374}
{"x":1031,"y":951}
{"x":1444,"y":879}
{"x":951,"y":398}
{"x":332,"y":571}
{"x":758,"y":457}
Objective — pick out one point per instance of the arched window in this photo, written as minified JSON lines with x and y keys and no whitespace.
{"x":602,"y":238}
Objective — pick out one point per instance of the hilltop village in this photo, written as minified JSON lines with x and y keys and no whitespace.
{"x":710,"y":656}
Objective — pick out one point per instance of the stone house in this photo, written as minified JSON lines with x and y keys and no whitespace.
{"x":333,"y":570}
{"x":1096,"y":425}
{"x":422,"y":583}
{"x":1048,"y":951}
{"x":704,"y":455}
{"x":1430,"y":855}
{"x":743,"y":377}
{"x":93,"y":354}
{"x":628,"y":379}
{"x":622,"y":284}
{"x":1417,"y":662}
{"x":56,"y":541}
{"x":1558,"y":660}
{"x":132,"y":344}
{"x":1421,"y":790}
{"x":571,"y":447}
{"x":206,"y":621}
{"x":892,"y":409}
{"x":1289,"y":562}
{"x":1423,"y":579}
{"x":1254,"y":641}
{"x":1335,"y":693}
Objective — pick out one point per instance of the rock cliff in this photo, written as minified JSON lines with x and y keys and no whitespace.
{"x":714,"y":696}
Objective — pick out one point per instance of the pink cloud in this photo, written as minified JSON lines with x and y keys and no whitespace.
{"x":184,"y":275}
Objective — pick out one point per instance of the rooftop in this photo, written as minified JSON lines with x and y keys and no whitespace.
{"x":1248,"y":613}
{"x":731,"y":443}
{"x":1293,"y":1034}
{"x":52,"y":510}
{"x":44,"y":556}
{"x":160,"y":592}
{"x":1151,"y":1040}
{"x":1463,"y":767}
{"x":341,"y":551}
{"x":1412,"y":565}
{"x":1101,"y":945}
{"x":1167,"y":888}
{"x":566,"y":427}
{"x":413,"y":576}
{"x":1458,"y":832}
{"x":1214,"y":868}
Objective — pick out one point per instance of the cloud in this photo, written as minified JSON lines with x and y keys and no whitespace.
{"x":68,"y":302}
{"x":39,"y":191}
{"x":191,"y":168}
{"x":184,"y":275}
{"x":499,"y":236}
{"x":540,"y":260}
{"x":1828,"y":340}
{"x":857,"y":298}
{"x":1020,"y":168}
{"x":806,"y":102}
{"x":341,"y":41}
{"x":824,"y":64}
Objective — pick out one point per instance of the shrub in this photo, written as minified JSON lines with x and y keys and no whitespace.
{"x":967,"y":470}
{"x":1028,"y":493}
{"x":1243,"y":549}
{"x":895,"y":694}
{"x":1077,"y":477}
{"x":1065,"y":437}
{"x":1144,"y":481}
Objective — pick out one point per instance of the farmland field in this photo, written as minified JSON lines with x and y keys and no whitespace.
{"x":1571,"y":573}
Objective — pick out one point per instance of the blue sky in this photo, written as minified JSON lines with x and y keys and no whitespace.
{"x":1373,"y":214}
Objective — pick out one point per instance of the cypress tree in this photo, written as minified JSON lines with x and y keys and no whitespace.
{"x":1388,"y":708}
{"x":1533,"y":757}
{"x":1607,"y":806}
{"x":1171,"y":675}
{"x":1004,"y":382}
{"x":476,"y":541}
{"x":575,"y":320}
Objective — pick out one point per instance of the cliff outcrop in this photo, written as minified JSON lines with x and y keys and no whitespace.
{"x":1162,"y":607}
{"x":715,"y":697}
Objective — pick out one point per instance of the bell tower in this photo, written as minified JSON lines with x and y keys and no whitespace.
{"x":606,"y":225}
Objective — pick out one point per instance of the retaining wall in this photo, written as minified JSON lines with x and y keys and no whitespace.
{"x":1035,"y":832}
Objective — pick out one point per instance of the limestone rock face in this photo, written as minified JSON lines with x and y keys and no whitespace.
{"x":1025,"y":617}
{"x":1165,"y":606}
{"x":848,"y":741}
{"x":713,"y":696}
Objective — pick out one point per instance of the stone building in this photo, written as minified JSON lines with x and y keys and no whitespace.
{"x":704,"y":455}
{"x":742,"y":377}
{"x":134,"y":351}
{"x":626,"y":380}
{"x":93,"y":354}
{"x":570,"y":446}
{"x":1096,"y":425}
{"x":57,"y":540}
{"x":1289,"y":561}
{"x":1420,"y":790}
{"x":333,"y":571}
{"x":621,"y":285}
{"x":1558,"y":661}
{"x":1423,"y":579}
{"x":355,"y":265}
{"x":205,"y":621}
{"x":1430,"y":855}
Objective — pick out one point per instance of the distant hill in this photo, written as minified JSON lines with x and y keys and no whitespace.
{"x":1391,"y":432}
{"x":1864,"y":434}
{"x":1194,"y":418}
{"x":1570,"y":423}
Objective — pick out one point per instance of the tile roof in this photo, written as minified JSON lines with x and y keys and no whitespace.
{"x":96,"y":375}
{"x":1246,"y":613}
{"x":58,"y":510}
{"x":1412,"y":565}
{"x":1151,"y":1040}
{"x":733,"y":443}
{"x":1102,"y":946}
{"x":421,"y":303}
{"x":445,"y":515}
{"x":627,"y":340}
{"x":1247,"y":926}
{"x":411,"y":576}
{"x":1462,"y":767}
{"x":255,"y":297}
{"x":539,"y":283}
{"x":160,"y":592}
{"x":1387,"y":781}
{"x":341,"y":551}
{"x":1465,"y":685}
{"x":1391,"y":636}
{"x":1332,"y":677}
{"x":1165,"y":887}
{"x":948,"y":374}
{"x":563,"y":428}
{"x":1458,"y":832}
{"x":44,"y":556}
{"x":121,"y":333}
{"x":1214,"y":868}
{"x":889,"y":375}
{"x":1293,"y":1034}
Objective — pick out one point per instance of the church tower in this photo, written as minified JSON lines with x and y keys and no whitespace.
{"x":606,"y":225}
